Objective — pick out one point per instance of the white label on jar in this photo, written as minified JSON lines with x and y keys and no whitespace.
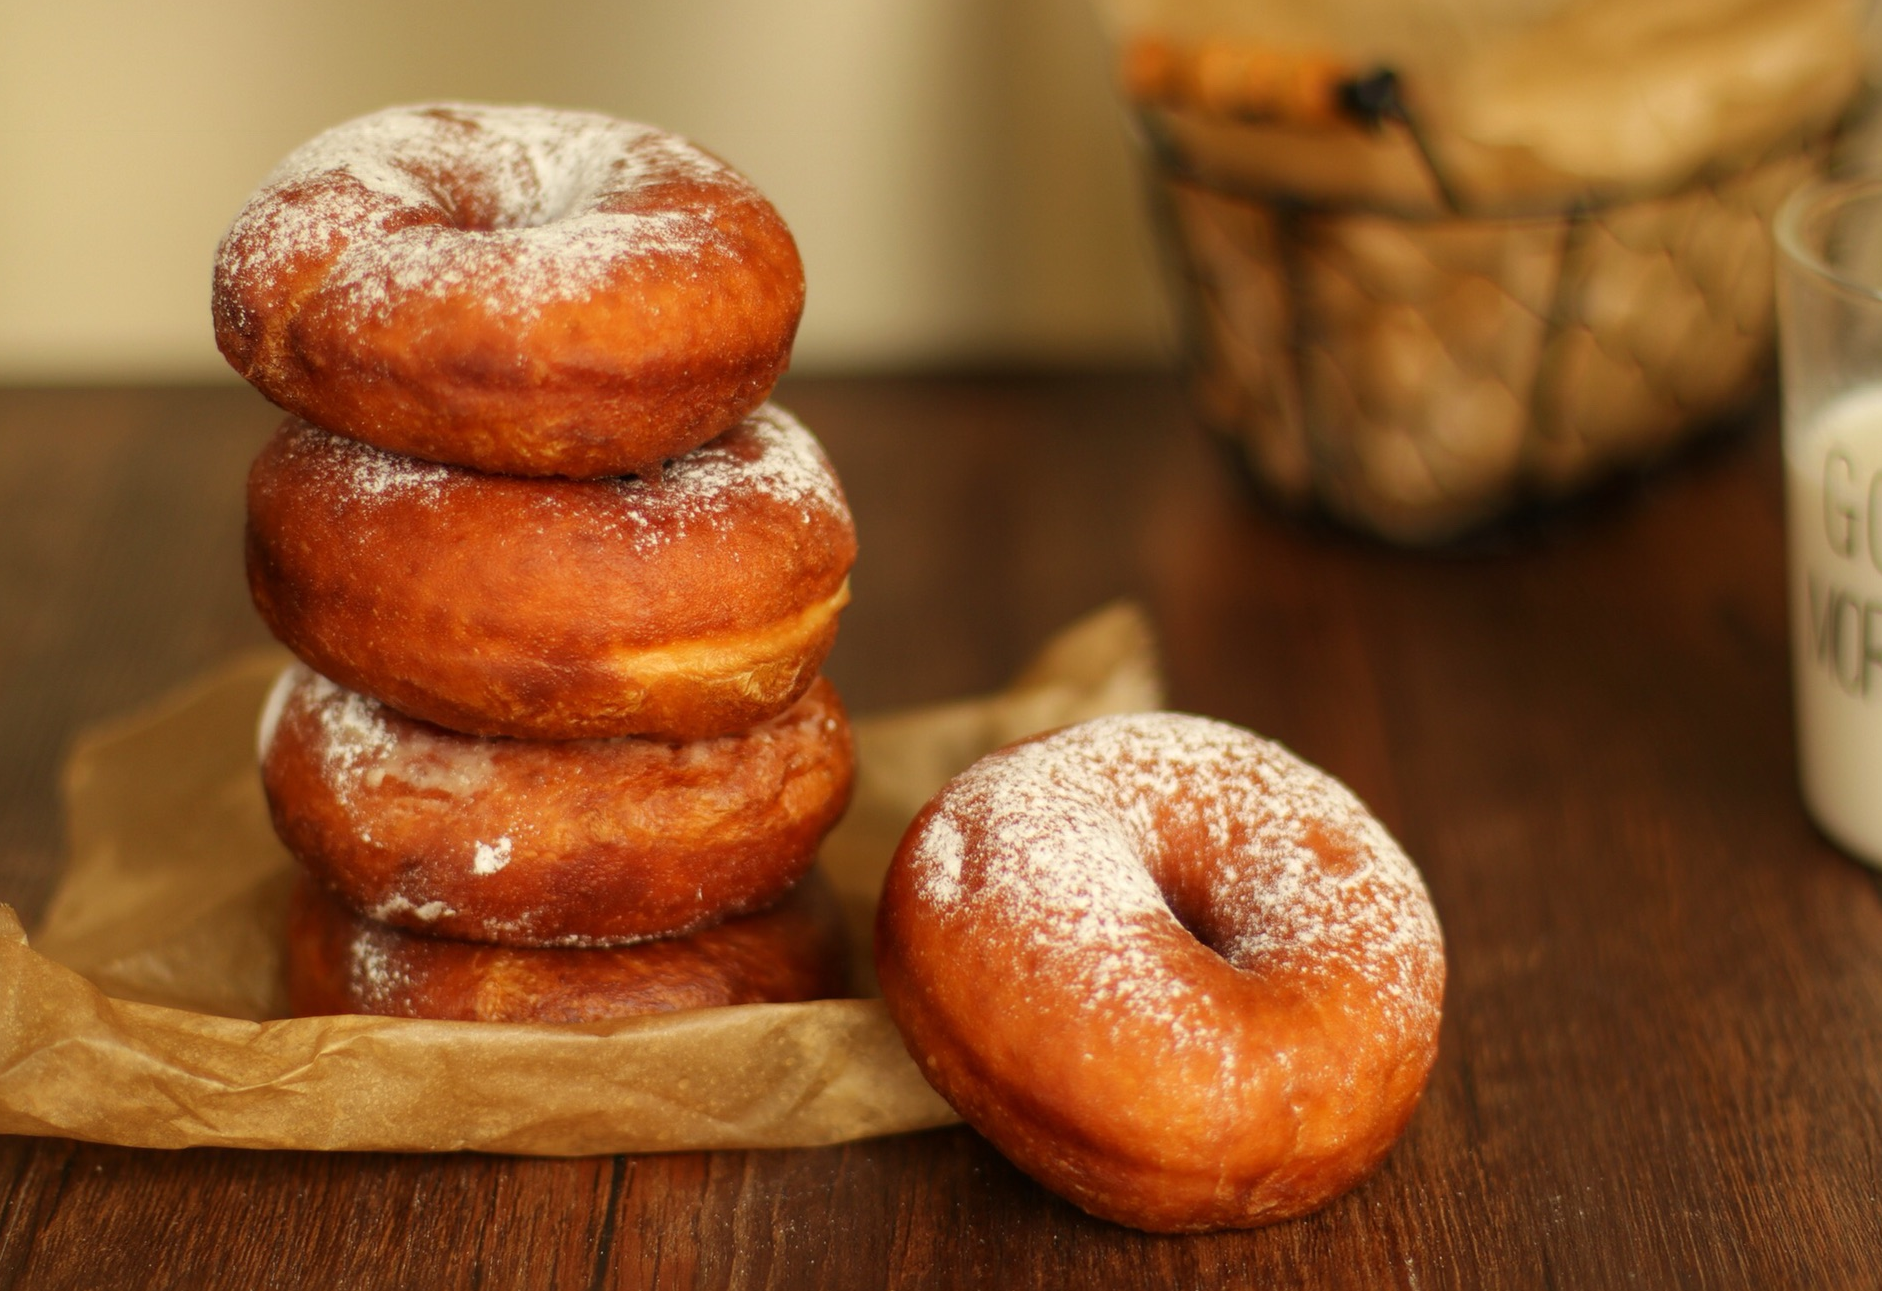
{"x":1833,"y":471}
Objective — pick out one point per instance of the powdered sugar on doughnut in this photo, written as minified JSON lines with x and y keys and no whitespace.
{"x":770,"y":455}
{"x":358,"y":749}
{"x":523,"y":203}
{"x":1064,"y":835}
{"x":488,"y":858}
{"x":376,"y":976}
{"x":399,"y":904}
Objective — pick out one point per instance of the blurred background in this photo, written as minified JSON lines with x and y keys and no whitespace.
{"x":957,"y":172}
{"x":1542,"y":259}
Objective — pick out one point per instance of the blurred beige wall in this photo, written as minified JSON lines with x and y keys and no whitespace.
{"x":956,"y":171}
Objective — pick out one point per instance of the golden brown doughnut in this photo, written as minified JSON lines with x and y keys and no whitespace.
{"x":548,"y":843}
{"x":338,"y":962}
{"x":516,"y":289}
{"x":688,"y":606}
{"x":1174,"y":973}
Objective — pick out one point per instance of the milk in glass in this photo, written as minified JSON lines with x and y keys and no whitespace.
{"x":1833,"y":469}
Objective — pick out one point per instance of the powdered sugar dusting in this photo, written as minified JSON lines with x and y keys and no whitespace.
{"x":488,"y":858}
{"x":769,"y":455}
{"x":399,"y":904}
{"x":945,"y":852}
{"x":354,"y":734}
{"x":356,"y":474}
{"x":1078,"y":836}
{"x":530,"y":205}
{"x":377,"y":979}
{"x":359,"y":749}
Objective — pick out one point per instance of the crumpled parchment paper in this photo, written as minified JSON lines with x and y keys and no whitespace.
{"x":147,"y":1010}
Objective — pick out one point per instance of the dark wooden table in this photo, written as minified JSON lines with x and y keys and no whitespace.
{"x":1662,"y":1050}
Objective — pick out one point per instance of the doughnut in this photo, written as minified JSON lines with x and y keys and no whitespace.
{"x":1172,"y":972}
{"x":338,"y":962}
{"x":516,"y":289}
{"x":548,"y":843}
{"x":685,"y":605}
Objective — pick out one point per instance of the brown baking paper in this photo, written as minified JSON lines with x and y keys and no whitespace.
{"x":146,"y":1011}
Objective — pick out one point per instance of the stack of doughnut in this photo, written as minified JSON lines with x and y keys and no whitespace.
{"x":560,"y":580}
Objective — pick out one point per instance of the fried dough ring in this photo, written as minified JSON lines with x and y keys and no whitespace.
{"x":516,"y":289}
{"x":1174,"y":973}
{"x":338,"y":962}
{"x":688,"y":606}
{"x":548,"y":843}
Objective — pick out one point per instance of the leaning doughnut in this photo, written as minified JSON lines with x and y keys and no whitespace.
{"x":548,"y":843}
{"x":338,"y":962}
{"x":517,"y":289}
{"x":1175,"y":974}
{"x":687,"y":606}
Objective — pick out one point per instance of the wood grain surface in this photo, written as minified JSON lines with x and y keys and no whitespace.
{"x":1662,"y":1051}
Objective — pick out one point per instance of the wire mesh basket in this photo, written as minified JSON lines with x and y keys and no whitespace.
{"x":1416,"y":363}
